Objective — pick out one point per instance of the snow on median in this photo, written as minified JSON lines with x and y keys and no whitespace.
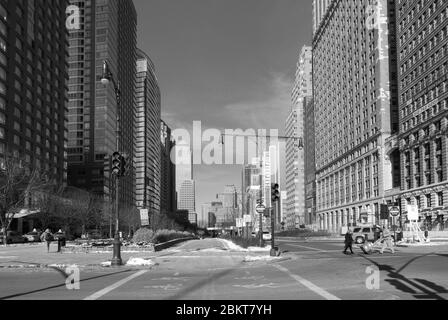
{"x":260,"y":258}
{"x":233,"y":247}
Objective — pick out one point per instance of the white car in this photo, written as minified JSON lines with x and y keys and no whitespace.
{"x":266,"y":235}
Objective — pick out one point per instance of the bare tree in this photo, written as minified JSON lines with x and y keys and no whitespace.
{"x":19,"y":181}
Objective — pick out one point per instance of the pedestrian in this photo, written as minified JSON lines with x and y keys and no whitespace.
{"x":47,"y":237}
{"x":348,"y":241}
{"x":387,"y":243}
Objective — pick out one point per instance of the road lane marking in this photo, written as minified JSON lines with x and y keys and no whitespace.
{"x":116,"y":285}
{"x":308,"y":284}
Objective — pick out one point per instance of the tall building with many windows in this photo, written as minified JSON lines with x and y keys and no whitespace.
{"x":355,"y":111}
{"x":295,"y":161}
{"x":107,"y":32}
{"x":147,"y":136}
{"x":422,"y":38}
{"x":33,"y":83}
{"x":186,"y":198}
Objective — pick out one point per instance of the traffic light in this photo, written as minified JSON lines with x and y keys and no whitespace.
{"x":275,"y":194}
{"x":116,"y":163}
{"x":123,"y":166}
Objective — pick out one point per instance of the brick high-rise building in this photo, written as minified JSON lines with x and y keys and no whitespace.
{"x":107,"y":32}
{"x":33,"y":83}
{"x":355,"y":111}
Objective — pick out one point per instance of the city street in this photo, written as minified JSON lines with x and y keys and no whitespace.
{"x":208,"y":270}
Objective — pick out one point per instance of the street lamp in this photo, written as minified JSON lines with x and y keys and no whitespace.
{"x":106,"y":78}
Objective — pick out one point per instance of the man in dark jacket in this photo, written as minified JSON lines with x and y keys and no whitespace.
{"x":348,"y":241}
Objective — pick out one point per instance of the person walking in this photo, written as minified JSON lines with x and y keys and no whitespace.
{"x":387,"y":243}
{"x":348,"y":242}
{"x":47,"y":237}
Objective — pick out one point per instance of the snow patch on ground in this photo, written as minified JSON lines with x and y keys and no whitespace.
{"x":106,"y":264}
{"x":140,"y":262}
{"x":260,"y":258}
{"x":233,"y":247}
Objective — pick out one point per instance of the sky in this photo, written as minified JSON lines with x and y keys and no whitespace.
{"x":227,"y":63}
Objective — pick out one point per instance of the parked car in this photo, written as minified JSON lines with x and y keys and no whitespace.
{"x":363,"y":234}
{"x":33,"y":236}
{"x":13,"y":237}
{"x":267,"y":235}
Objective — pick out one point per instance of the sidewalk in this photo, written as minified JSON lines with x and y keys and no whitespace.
{"x":36,"y":256}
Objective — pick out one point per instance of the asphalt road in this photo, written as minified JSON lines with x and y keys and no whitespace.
{"x":314,"y":271}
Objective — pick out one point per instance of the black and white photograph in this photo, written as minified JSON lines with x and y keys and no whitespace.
{"x":223,"y":155}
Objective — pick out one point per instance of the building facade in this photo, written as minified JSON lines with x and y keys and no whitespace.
{"x":33,"y":84}
{"x":107,"y":32}
{"x":422,"y":39}
{"x":310,"y":164}
{"x":295,"y":160}
{"x":355,"y":111}
{"x":147,"y":136}
{"x":168,"y":199}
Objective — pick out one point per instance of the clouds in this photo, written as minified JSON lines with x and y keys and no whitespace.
{"x":268,"y":107}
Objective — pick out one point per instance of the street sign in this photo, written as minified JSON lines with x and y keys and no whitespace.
{"x":394,"y":211}
{"x":260,"y":208}
{"x":144,"y":217}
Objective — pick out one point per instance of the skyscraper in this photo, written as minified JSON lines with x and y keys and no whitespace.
{"x":295,"y":179}
{"x":33,"y":83}
{"x":422,"y":39}
{"x":168,"y":199}
{"x":186,"y":200}
{"x":319,"y":10}
{"x":355,"y":112}
{"x":107,"y":32}
{"x":147,"y":136}
{"x":310,"y":163}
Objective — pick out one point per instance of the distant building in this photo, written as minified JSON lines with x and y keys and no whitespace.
{"x":186,"y":200}
{"x":168,"y":199}
{"x":310,"y":164}
{"x":320,"y":8}
{"x":295,"y":158}
{"x":147,"y":136}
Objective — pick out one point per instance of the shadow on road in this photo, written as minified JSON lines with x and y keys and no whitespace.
{"x":410,"y":286}
{"x":61,"y":285}
{"x":202,"y":283}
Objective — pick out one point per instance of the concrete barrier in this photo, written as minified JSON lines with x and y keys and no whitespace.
{"x":166,"y":245}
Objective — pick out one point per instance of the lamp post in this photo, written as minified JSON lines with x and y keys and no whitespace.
{"x":106,"y":78}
